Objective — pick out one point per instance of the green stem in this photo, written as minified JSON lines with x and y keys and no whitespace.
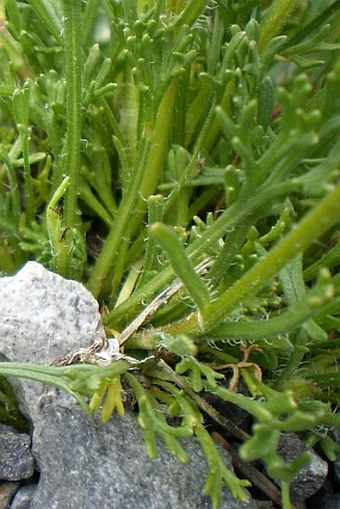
{"x":90,"y":16}
{"x":230,"y":219}
{"x":201,"y":402}
{"x":48,"y":16}
{"x":142,"y":185}
{"x":264,"y":329}
{"x":330,"y":259}
{"x":79,"y":380}
{"x":286,"y":504}
{"x":278,"y":14}
{"x":40,"y":373}
{"x":73,"y":74}
{"x":230,"y":90}
{"x":54,"y":225}
{"x":155,"y":214}
{"x":29,"y":196}
{"x":190,"y":14}
{"x":72,"y":56}
{"x":295,"y":358}
{"x":181,"y":264}
{"x":20,"y":103}
{"x":317,"y":22}
{"x":311,"y":227}
{"x":129,"y":119}
{"x":14,"y":188}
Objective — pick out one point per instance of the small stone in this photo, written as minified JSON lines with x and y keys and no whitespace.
{"x":23,"y":498}
{"x":335,"y":433}
{"x":43,"y":317}
{"x":16,"y":460}
{"x":311,"y":478}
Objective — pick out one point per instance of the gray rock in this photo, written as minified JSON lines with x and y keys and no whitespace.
{"x":16,"y":460}
{"x":312,"y":477}
{"x":23,"y":498}
{"x":335,"y":434}
{"x":84,"y":463}
{"x":336,"y":468}
{"x":42,"y":317}
{"x":110,"y":465}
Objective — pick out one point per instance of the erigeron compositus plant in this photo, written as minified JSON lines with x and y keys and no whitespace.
{"x":182,"y":160}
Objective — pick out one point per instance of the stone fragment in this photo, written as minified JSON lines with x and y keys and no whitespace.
{"x":335,"y":434}
{"x":16,"y":460}
{"x":312,"y":477}
{"x":42,"y":317}
{"x":24,"y":496}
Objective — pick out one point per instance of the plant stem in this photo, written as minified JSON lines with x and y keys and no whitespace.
{"x":29,"y":195}
{"x":294,"y":359}
{"x":181,"y":264}
{"x":286,"y":504}
{"x":42,"y":374}
{"x":47,"y":14}
{"x":230,"y":219}
{"x":260,"y":329}
{"x":142,"y":185}
{"x":278,"y":14}
{"x":14,"y":186}
{"x":190,"y":14}
{"x":73,"y":74}
{"x":202,"y":403}
{"x":312,"y":226}
{"x":90,"y":15}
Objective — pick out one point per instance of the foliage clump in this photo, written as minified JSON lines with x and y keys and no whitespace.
{"x":181,"y":159}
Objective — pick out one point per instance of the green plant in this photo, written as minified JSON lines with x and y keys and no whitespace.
{"x":181,"y":159}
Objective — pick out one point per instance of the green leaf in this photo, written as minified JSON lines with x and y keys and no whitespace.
{"x":21,"y":100}
{"x":50,"y":14}
{"x":181,"y":264}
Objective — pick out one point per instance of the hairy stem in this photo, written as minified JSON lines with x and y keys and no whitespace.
{"x":72,"y":62}
{"x":278,"y":14}
{"x":141,"y":187}
{"x":312,"y":226}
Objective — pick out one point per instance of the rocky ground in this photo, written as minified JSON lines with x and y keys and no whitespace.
{"x":69,"y":460}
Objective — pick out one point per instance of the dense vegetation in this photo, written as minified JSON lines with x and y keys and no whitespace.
{"x":181,"y":159}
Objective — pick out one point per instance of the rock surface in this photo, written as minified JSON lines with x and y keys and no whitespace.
{"x":110,"y":461}
{"x":336,"y":465}
{"x":312,"y":477}
{"x":82,"y":462}
{"x":42,"y":317}
{"x":23,"y":498}
{"x":16,"y":460}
